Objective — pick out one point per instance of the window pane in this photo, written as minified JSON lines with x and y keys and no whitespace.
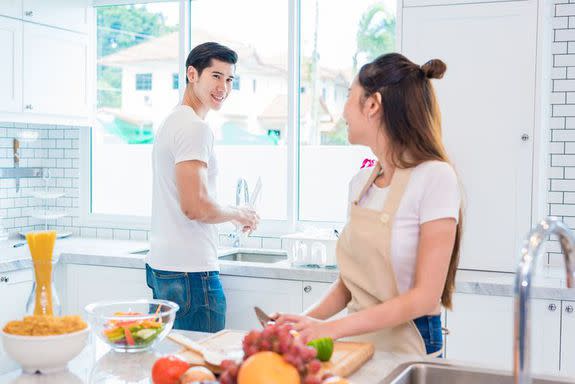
{"x":251,"y":127}
{"x":136,"y":62}
{"x":327,"y":161}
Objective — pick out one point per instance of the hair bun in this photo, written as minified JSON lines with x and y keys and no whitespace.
{"x":434,"y":69}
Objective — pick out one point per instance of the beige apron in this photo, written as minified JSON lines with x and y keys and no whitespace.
{"x":364,"y":258}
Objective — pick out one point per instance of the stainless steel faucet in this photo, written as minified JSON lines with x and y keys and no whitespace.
{"x":241,"y":185}
{"x":530,"y":252}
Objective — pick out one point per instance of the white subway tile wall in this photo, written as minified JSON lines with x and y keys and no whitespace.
{"x":561,"y":195}
{"x":56,"y":148}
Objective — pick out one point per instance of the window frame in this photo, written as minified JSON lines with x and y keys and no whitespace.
{"x":267,"y":227}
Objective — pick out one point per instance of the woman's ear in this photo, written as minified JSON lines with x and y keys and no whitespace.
{"x":374,"y":105}
{"x":192,"y":74}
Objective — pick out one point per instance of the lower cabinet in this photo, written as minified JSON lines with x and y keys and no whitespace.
{"x":568,"y":339}
{"x":86,"y":284}
{"x":271,"y":295}
{"x":481,"y":332}
{"x":15,"y":288}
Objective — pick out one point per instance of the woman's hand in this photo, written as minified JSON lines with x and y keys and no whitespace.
{"x":307,"y":327}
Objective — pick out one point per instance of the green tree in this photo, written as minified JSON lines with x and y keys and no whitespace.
{"x":120,"y":27}
{"x":375,"y":34}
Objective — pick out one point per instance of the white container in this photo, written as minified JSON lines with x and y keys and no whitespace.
{"x":311,"y":249}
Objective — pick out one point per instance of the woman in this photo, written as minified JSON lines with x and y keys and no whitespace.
{"x":399,"y":250}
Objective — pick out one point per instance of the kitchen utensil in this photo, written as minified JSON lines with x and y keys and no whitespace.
{"x":263,"y":317}
{"x":256,"y":192}
{"x":210,"y":356}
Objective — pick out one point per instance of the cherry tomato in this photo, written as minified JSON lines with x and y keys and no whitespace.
{"x":168,"y":369}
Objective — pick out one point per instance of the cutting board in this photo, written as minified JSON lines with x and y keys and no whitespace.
{"x":347,"y":357}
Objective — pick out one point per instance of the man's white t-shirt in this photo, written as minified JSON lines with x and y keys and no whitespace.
{"x":178,"y":243}
{"x":432,"y":193}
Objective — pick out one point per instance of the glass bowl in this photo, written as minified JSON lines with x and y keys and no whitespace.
{"x":132,"y":326}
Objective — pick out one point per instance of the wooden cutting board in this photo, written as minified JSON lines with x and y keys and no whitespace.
{"x":347,"y":357}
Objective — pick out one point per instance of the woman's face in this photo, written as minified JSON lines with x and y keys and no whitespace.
{"x":361,"y":127}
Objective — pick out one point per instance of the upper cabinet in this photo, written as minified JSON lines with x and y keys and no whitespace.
{"x":44,"y":69}
{"x":65,"y":14}
{"x":420,"y":3}
{"x":11,"y":8}
{"x":488,"y":101}
{"x":10,"y":68}
{"x":55,"y":64}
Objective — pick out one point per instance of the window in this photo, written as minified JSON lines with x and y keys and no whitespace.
{"x":236,"y":83}
{"x":138,"y":49}
{"x":129,"y":41}
{"x":143,"y":81}
{"x":325,"y":154}
{"x":175,"y":81}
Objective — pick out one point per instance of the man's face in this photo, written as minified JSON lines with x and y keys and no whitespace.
{"x":213,"y":86}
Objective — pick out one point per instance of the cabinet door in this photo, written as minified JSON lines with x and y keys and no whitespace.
{"x":313,"y":292}
{"x":10,"y":65}
{"x":56,"y":74}
{"x":87,"y":284}
{"x":481,"y":332}
{"x":271,"y":295}
{"x":15,"y":288}
{"x":65,"y":14}
{"x":568,"y":339}
{"x":11,"y":8}
{"x":487,"y":100}
{"x":422,"y":3}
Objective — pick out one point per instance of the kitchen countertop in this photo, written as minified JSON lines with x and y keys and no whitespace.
{"x":549,"y":282}
{"x":99,"y":364}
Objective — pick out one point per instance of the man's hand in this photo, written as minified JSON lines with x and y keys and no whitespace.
{"x":247,"y":219}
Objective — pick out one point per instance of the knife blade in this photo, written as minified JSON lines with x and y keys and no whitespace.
{"x":263,"y":318}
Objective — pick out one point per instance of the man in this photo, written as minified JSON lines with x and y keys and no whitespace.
{"x":182,"y":265}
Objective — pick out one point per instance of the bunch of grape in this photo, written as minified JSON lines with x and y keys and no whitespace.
{"x":284,"y":341}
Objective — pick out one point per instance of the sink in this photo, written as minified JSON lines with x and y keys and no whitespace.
{"x":253,"y":257}
{"x":444,"y":373}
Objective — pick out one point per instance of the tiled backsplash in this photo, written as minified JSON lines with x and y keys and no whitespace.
{"x":561,"y":196}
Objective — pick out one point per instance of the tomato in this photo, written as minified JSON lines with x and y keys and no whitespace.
{"x":168,"y":369}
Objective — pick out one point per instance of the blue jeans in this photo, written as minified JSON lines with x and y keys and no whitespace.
{"x":199,"y":295}
{"x":430,"y":329}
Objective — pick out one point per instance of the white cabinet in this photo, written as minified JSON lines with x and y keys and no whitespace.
{"x":481,"y":332}
{"x":15,"y":288}
{"x":65,"y":14}
{"x":422,"y":3}
{"x":55,"y":67}
{"x":10,"y":65}
{"x":487,"y":100}
{"x":568,"y":339}
{"x":313,"y":292}
{"x":11,"y":8}
{"x":272,"y":295}
{"x":86,"y":284}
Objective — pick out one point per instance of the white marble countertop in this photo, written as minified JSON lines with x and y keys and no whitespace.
{"x":99,"y":364}
{"x":549,"y":282}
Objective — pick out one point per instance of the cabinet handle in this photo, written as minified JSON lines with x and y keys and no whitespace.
{"x":28,"y":106}
{"x":307,"y":289}
{"x":29,"y":13}
{"x":525,"y":137}
{"x":4,"y":279}
{"x":569,"y":309}
{"x":552,"y":307}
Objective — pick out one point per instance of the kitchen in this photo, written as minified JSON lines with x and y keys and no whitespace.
{"x":84,"y":88}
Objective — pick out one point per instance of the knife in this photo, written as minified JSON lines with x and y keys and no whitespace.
{"x":263,"y":318}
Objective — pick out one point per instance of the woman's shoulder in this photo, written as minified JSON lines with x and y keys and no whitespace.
{"x":361,"y":176}
{"x":434,"y":169}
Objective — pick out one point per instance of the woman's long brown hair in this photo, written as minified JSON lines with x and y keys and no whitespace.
{"x":412,"y":123}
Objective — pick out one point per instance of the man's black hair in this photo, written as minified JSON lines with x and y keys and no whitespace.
{"x":201,"y":56}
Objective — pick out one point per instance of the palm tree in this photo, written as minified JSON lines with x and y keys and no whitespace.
{"x":375,"y":34}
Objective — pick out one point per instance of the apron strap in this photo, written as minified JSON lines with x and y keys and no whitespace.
{"x":372,"y":177}
{"x":397,"y":187}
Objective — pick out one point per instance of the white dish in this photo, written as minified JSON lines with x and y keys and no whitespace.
{"x":44,"y":354}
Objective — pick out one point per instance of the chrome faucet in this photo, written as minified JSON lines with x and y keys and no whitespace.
{"x":530,"y":252}
{"x":241,"y":185}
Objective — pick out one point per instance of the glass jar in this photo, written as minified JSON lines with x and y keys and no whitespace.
{"x":42,"y":296}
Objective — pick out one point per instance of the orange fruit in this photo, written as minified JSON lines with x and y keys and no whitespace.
{"x":267,"y":368}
